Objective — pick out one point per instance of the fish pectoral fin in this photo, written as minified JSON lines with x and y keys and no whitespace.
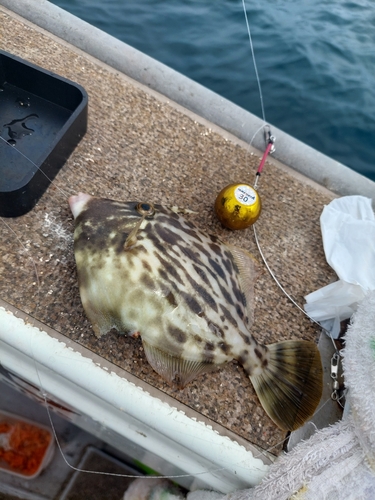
{"x":174,"y":369}
{"x":248,"y":272}
{"x":290,"y":386}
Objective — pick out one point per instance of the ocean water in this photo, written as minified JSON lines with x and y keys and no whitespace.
{"x":316,"y":60}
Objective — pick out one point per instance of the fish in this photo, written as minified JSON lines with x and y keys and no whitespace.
{"x":145,"y":270}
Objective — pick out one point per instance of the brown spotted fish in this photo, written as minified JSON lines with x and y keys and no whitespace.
{"x":145,"y":270}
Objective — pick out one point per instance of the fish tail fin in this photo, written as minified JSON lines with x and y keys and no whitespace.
{"x":291,"y":382}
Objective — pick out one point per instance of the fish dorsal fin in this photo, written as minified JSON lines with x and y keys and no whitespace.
{"x":174,"y":369}
{"x":248,"y":271}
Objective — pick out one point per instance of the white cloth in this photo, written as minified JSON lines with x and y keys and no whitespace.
{"x":322,"y":467}
{"x":348,"y":232}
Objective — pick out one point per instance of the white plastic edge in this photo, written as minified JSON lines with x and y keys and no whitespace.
{"x":219,"y":462}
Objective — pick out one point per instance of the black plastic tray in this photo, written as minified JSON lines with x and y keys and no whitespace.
{"x":43,"y":118}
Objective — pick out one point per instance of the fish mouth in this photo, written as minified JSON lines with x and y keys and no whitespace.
{"x":77,"y":203}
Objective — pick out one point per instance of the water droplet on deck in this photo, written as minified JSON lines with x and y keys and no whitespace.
{"x":25,"y":103}
{"x":18,"y":128}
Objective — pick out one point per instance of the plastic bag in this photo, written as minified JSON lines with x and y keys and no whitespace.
{"x":348,"y":232}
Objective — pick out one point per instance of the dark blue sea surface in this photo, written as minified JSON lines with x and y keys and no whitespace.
{"x":316,"y":60}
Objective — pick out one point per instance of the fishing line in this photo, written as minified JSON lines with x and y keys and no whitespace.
{"x":44,"y":393}
{"x":35,"y":165}
{"x":286,"y":293}
{"x":254,"y":60}
{"x":269,"y":149}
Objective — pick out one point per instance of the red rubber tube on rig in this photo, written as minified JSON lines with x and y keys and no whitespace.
{"x":263,"y":160}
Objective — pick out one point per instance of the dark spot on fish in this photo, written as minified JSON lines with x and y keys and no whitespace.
{"x":192,"y":304}
{"x":223,"y":288}
{"x":168,"y":270}
{"x":218,"y":269}
{"x":246,"y":338}
{"x":240,"y":311}
{"x":198,"y":339}
{"x":177,"y":334}
{"x":216,"y":330}
{"x":168,"y":236}
{"x":204,"y":294}
{"x":171,"y":299}
{"x":137,"y":249}
{"x":224,"y":347}
{"x":227,"y":263}
{"x":209,"y":354}
{"x":185,"y":227}
{"x":201,"y":273}
{"x":169,"y":214}
{"x":202,"y":249}
{"x":228,"y":316}
{"x":237,"y":291}
{"x":190,"y":253}
{"x":153,"y":237}
{"x":175,"y":222}
{"x":146,"y":281}
{"x":163,"y":275}
{"x":146,"y":266}
{"x":129,"y":263}
{"x":215,"y":248}
{"x":170,"y":218}
{"x":194,"y":233}
{"x":242,"y":359}
{"x":257,"y":353}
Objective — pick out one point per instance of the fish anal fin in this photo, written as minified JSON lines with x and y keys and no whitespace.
{"x":290,"y":386}
{"x":173,"y":369}
{"x":248,"y":272}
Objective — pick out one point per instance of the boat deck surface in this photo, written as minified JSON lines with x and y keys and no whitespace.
{"x":141,"y":146}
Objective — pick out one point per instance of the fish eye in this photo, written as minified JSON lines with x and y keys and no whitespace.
{"x":145,"y":209}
